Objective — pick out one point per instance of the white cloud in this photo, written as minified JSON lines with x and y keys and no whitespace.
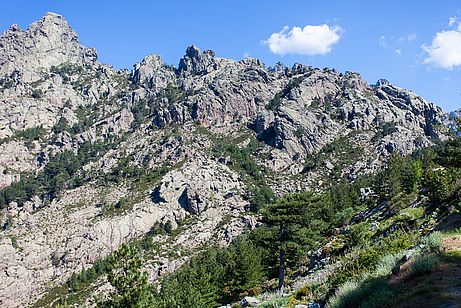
{"x":392,"y":41}
{"x":382,"y":41}
{"x":398,"y":51}
{"x":311,"y":40}
{"x":445,"y":50}
{"x":451,"y":21}
{"x":412,"y":37}
{"x":246,"y":54}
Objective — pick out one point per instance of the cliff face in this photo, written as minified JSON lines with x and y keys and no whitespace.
{"x":187,"y":145}
{"x":46,"y":43}
{"x":453,"y":119}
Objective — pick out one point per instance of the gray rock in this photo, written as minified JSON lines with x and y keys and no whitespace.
{"x":382,"y":82}
{"x":249,"y":301}
{"x":328,"y":165}
{"x":195,"y":62}
{"x":153,"y":73}
{"x":47,"y":42}
{"x":192,"y":201}
{"x":47,"y":78}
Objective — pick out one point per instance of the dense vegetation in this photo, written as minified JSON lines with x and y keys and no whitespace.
{"x":302,"y":223}
{"x":61,"y":172}
{"x":240,"y":159}
{"x":339,"y":152}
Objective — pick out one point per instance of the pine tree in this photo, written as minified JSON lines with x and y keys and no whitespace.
{"x":288,"y":218}
{"x":128,"y":279}
{"x":451,"y":154}
{"x":437,"y":184}
{"x":195,"y":284}
{"x":243,"y":269}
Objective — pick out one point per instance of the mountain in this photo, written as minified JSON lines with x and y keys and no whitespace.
{"x":452,"y":116}
{"x":92,"y":157}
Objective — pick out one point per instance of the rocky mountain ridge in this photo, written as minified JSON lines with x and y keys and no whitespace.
{"x":193,"y":146}
{"x":452,"y":117}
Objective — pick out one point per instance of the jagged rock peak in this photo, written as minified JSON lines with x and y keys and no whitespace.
{"x":279,"y":68}
{"x":153,"y":72}
{"x":48,"y":42}
{"x":196,"y":62}
{"x":54,"y":26}
{"x":14,"y":28}
{"x":193,"y":52}
{"x":382,"y":82}
{"x":53,"y":17}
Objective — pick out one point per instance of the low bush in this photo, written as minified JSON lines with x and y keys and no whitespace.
{"x":388,"y":264}
{"x":432,"y":243}
{"x":425,"y":264}
{"x":370,"y":293}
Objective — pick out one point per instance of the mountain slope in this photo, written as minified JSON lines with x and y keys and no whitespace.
{"x":92,"y":157}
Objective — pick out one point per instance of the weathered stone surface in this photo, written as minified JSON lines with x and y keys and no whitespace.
{"x":197,"y":185}
{"x":196,"y":63}
{"x":47,"y":42}
{"x":153,"y":72}
{"x":153,"y":119}
{"x":249,"y":301}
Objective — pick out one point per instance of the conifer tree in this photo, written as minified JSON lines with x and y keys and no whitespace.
{"x":243,"y":268}
{"x":451,"y":153}
{"x":287,"y":216}
{"x":128,"y":279}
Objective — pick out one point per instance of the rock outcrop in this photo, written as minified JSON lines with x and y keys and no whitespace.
{"x":187,"y":145}
{"x":46,"y":43}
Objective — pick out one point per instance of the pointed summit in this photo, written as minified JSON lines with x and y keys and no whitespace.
{"x":193,"y":52}
{"x":153,"y":71}
{"x":52,"y":14}
{"x":196,"y":62}
{"x":47,"y":42}
{"x":53,"y":24}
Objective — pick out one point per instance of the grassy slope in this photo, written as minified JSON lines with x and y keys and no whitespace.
{"x":440,"y":287}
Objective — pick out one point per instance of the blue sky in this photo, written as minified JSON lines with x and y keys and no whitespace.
{"x":378,"y":39}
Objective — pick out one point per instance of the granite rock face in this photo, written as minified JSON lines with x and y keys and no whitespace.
{"x":152,"y":72}
{"x":453,"y":121}
{"x":167,"y":145}
{"x":46,"y":43}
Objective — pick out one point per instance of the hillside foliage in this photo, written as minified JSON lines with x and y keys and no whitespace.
{"x":302,"y":223}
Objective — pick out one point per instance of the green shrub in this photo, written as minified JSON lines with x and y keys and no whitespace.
{"x":381,"y":297}
{"x":368,"y":293}
{"x":387,"y":264}
{"x":160,"y":228}
{"x":410,"y":214}
{"x":432,"y":243}
{"x":29,"y":135}
{"x":312,"y":291}
{"x":425,"y":264}
{"x":359,"y":234}
{"x":275,"y":102}
{"x":345,"y":294}
{"x":61,"y":126}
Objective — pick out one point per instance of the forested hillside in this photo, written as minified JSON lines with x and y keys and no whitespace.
{"x":341,"y":246}
{"x":209,"y":182}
